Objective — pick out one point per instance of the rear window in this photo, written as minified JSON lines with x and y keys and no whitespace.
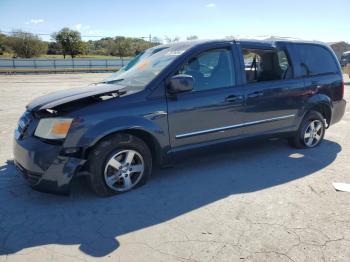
{"x":316,"y":60}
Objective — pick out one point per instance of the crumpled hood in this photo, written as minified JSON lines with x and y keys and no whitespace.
{"x":65,"y":96}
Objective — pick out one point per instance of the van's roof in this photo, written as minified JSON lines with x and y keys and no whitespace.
{"x":265,"y":43}
{"x":272,"y":42}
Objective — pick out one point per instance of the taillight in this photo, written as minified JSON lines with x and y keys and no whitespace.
{"x":342,"y":89}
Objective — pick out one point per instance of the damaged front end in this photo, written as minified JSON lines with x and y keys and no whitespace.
{"x":40,"y":160}
{"x":41,"y":153}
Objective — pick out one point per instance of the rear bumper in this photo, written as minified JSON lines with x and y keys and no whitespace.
{"x":338,"y":111}
{"x":43,"y":167}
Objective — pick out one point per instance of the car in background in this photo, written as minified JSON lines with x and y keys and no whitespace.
{"x":345,"y":62}
{"x":345,"y":59}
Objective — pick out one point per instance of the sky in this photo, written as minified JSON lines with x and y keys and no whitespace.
{"x":322,"y":20}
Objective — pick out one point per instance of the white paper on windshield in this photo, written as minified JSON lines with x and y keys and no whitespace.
{"x":175,"y":53}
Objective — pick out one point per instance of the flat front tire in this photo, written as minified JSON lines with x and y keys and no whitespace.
{"x":119,"y":164}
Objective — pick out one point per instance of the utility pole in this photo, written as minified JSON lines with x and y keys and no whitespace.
{"x":150,"y":38}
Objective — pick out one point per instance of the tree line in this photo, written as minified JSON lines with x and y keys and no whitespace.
{"x":68,"y":43}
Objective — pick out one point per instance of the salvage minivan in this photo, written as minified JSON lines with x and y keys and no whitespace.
{"x":183,"y":97}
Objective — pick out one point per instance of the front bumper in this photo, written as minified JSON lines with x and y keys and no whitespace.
{"x":42,"y":165}
{"x":338,"y":111}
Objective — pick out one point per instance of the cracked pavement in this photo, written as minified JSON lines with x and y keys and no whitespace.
{"x":261,"y":201}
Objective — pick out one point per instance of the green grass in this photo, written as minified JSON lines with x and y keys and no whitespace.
{"x":6,"y":55}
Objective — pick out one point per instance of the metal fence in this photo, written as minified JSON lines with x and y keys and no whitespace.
{"x":60,"y":65}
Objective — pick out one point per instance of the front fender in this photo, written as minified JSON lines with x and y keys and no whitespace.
{"x":110,"y":126}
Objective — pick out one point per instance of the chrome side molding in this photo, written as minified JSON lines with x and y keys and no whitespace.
{"x":213,"y":130}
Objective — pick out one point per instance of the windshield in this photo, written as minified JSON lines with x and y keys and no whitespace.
{"x":142,"y":55}
{"x":143,"y":71}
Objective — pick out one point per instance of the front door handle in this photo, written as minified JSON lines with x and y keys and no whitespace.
{"x":255,"y":94}
{"x":233,"y":98}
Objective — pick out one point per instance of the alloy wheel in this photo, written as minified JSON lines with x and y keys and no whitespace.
{"x":124,"y":170}
{"x":313,"y":133}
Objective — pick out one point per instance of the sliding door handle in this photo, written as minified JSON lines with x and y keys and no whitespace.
{"x":233,"y":98}
{"x":315,"y":84}
{"x":255,"y":94}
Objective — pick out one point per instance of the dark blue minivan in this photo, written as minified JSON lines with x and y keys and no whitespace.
{"x":181,"y":97}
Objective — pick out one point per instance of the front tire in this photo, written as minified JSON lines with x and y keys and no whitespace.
{"x":311,"y":131}
{"x":119,"y":164}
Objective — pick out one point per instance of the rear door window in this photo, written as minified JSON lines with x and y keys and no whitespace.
{"x":316,"y":60}
{"x":266,"y":65}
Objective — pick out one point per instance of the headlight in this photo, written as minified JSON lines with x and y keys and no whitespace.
{"x":53,"y":128}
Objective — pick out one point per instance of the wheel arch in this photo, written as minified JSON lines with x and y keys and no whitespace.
{"x":322,"y":104}
{"x":153,"y":133}
{"x":140,"y":133}
{"x":325,"y":111}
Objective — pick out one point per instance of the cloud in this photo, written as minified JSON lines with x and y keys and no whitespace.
{"x":35,"y":21}
{"x":93,"y":32}
{"x":211,"y":5}
{"x":81,"y":27}
{"x":78,"y":26}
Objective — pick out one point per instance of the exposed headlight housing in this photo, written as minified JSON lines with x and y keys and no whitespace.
{"x":53,"y":128}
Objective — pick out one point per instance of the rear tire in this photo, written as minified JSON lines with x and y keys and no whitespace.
{"x":311,"y":131}
{"x":119,"y":164}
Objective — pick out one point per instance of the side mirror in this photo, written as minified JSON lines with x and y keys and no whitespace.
{"x":180,"y":83}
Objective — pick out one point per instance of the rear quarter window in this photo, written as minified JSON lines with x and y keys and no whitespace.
{"x":316,"y":60}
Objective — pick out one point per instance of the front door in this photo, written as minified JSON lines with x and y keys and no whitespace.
{"x":214,"y":108}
